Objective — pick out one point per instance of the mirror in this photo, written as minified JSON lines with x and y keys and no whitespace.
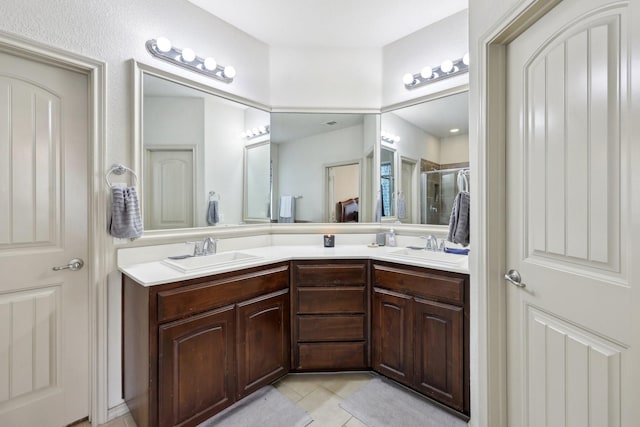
{"x":387,"y":180}
{"x":428,"y":162}
{"x":257,"y":182}
{"x":323,"y":166}
{"x":192,"y":152}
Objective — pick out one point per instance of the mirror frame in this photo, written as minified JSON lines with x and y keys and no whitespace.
{"x":139,"y":70}
{"x":245,"y":185}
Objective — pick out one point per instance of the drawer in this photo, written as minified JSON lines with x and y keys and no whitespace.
{"x":332,"y":356}
{"x":423,"y":283}
{"x":184,"y":301}
{"x":331,"y":300}
{"x":331,"y":328}
{"x":330,"y":274}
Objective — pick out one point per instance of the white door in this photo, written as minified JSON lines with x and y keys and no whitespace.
{"x":168,"y":197}
{"x":343,"y":183}
{"x":44,"y":324}
{"x":569,"y":186}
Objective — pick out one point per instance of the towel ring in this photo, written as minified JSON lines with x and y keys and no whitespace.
{"x":213,"y":196}
{"x":119,"y":169}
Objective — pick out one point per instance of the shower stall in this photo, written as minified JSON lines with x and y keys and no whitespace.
{"x":438,"y":189}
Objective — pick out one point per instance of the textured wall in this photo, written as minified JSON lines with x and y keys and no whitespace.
{"x":448,"y":38}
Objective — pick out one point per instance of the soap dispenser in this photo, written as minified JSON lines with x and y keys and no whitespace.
{"x":392,"y":238}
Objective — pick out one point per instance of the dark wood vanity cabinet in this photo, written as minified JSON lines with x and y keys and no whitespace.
{"x":330,"y":311}
{"x":420,"y":330}
{"x":195,"y":347}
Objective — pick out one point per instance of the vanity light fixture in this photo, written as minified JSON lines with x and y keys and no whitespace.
{"x":448,"y":68}
{"x":187,"y":58}
{"x":255,"y":132}
{"x":389,"y":137}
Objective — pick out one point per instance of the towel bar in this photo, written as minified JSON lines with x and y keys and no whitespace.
{"x":119,"y":169}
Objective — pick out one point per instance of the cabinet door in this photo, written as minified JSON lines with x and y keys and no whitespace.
{"x":439,"y":356}
{"x":393,"y":335}
{"x":196,"y":367}
{"x":263,"y":341}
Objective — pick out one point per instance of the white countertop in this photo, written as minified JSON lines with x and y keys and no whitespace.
{"x":156,"y":272}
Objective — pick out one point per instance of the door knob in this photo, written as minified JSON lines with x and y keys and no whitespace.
{"x":74,"y":265}
{"x":513,"y":276}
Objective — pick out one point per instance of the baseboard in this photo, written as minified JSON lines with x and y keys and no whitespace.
{"x":117,"y":411}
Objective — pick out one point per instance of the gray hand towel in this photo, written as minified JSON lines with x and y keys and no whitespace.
{"x":459,"y":220}
{"x":212,"y":213}
{"x":125,"y":213}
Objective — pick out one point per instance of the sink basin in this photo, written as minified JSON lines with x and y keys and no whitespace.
{"x":222,"y":259}
{"x":430,"y":256}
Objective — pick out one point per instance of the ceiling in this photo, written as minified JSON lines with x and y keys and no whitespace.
{"x":330,"y":23}
{"x":287,"y":127}
{"x":439,"y":116}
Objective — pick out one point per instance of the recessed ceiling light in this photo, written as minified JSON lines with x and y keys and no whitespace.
{"x":455,"y":130}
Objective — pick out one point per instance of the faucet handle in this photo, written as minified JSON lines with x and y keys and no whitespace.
{"x":198,"y":247}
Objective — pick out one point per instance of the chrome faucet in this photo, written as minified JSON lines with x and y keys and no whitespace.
{"x":209,"y":246}
{"x":432,"y":243}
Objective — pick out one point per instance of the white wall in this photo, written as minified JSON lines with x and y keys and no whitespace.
{"x":224,"y":158}
{"x":446,"y":39}
{"x":454,"y":149}
{"x":414,"y":143}
{"x":301,"y":167}
{"x":172,"y":120}
{"x":325,"y":78}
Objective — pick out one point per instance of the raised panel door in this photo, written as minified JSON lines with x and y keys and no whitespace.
{"x":196,"y":367}
{"x":439,"y":355}
{"x":392,"y":333}
{"x":263,"y":342}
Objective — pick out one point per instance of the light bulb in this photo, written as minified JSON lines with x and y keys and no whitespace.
{"x":229,"y":72}
{"x":188,"y":55}
{"x":163,"y":44}
{"x":426,"y":72}
{"x":454,"y":130}
{"x":396,"y":139}
{"x":465,"y":59}
{"x":262,"y":129}
{"x":408,"y":79}
{"x":210,"y":63}
{"x":249,"y":133}
{"x":446,"y":66}
{"x":243,"y":135}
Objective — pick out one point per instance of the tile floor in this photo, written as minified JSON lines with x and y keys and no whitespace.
{"x":318,"y":394}
{"x":321,"y":394}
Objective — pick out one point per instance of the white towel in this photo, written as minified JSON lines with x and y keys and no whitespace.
{"x":459,"y":220}
{"x":125,"y":213}
{"x":287,"y":209}
{"x":285,"y":206}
